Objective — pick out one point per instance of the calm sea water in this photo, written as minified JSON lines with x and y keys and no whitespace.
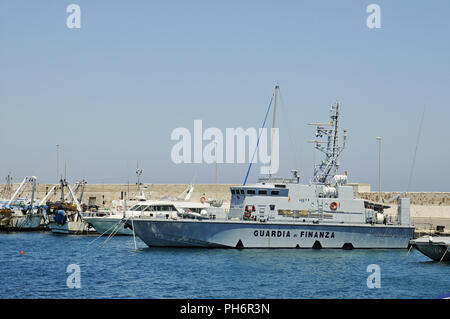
{"x":118,"y":271}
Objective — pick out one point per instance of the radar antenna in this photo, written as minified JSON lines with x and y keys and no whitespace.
{"x":326,"y":170}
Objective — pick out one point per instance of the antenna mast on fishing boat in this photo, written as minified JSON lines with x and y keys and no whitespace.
{"x":7,"y":190}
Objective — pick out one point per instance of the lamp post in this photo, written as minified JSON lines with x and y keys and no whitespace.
{"x":57,"y":163}
{"x":379,"y":165}
{"x":215,"y":143}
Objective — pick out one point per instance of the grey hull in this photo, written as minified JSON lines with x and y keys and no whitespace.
{"x":239,"y":234}
{"x":435,"y":250}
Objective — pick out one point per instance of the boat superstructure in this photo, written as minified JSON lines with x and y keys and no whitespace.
{"x":283,"y":213}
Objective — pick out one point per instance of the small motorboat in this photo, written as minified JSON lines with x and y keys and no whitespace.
{"x":434,"y":247}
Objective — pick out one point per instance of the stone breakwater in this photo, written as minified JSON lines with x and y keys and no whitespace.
{"x":428,"y":209}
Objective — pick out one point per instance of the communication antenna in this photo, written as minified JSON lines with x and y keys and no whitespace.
{"x":328,"y":167}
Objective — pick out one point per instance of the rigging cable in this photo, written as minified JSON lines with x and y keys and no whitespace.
{"x":257,"y":143}
{"x":415,"y":152}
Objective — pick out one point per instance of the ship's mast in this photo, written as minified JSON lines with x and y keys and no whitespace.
{"x":277,"y":88}
{"x":138,"y":174}
{"x":326,"y":170}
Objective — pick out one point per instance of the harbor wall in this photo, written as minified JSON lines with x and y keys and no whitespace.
{"x":428,"y":209}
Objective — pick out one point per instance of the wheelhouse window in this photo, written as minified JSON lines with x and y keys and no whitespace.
{"x":251,"y":192}
{"x":262,"y":192}
{"x":275,"y":193}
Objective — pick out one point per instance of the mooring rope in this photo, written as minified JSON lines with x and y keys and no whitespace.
{"x":444,"y":253}
{"x":114,"y":232}
{"x":112,"y":227}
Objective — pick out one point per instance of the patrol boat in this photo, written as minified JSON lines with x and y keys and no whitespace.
{"x":282,"y":213}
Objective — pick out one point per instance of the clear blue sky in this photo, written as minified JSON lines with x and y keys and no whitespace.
{"x":112,"y":92}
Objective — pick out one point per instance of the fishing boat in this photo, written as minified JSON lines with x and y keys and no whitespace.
{"x":283,"y":213}
{"x":64,"y":215}
{"x":20,"y":213}
{"x":434,"y":247}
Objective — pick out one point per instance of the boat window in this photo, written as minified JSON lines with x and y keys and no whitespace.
{"x":242,"y":191}
{"x":138,"y":207}
{"x":262,"y":192}
{"x":232,"y":191}
{"x":280,"y":186}
{"x":272,"y":207}
{"x":275,"y":193}
{"x":149,"y":209}
{"x":251,"y":192}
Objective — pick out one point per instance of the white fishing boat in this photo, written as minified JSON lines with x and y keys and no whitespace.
{"x":19,"y":213}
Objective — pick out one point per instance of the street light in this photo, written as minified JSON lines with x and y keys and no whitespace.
{"x":379,"y":165}
{"x":57,"y":163}
{"x":215,"y":143}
